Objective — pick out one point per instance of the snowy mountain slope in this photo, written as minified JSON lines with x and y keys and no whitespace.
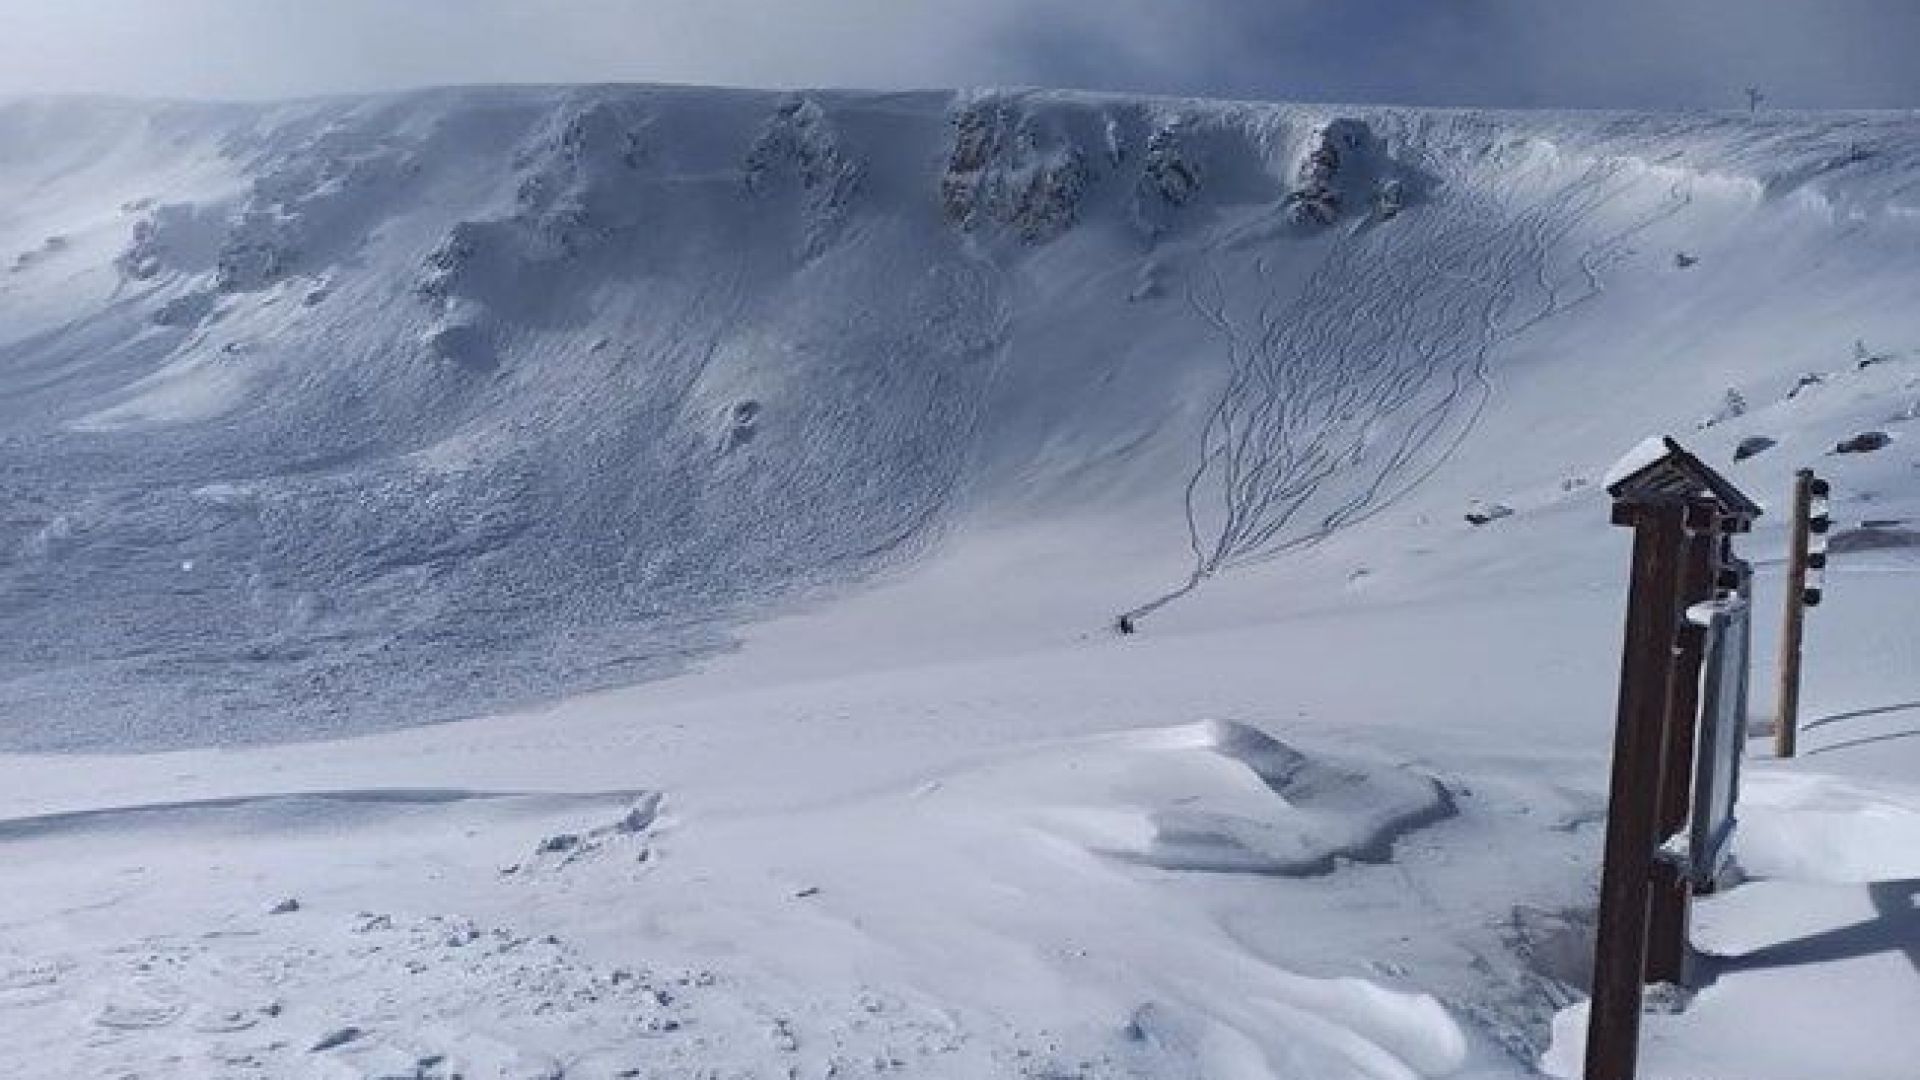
{"x":336,"y":416}
{"x":321,"y":415}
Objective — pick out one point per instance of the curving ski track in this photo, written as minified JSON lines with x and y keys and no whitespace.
{"x":1344,"y":395}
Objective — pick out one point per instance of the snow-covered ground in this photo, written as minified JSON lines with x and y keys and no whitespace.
{"x":854,"y":422}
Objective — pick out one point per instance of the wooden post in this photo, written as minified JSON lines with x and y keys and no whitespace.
{"x":1678,"y":508}
{"x":1646,"y":675}
{"x":1786,"y":729}
{"x":1671,"y":891}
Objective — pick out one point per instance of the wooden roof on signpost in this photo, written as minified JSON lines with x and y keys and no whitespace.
{"x":1676,"y":477}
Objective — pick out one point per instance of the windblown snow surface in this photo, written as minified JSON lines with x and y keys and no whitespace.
{"x":766,"y":474}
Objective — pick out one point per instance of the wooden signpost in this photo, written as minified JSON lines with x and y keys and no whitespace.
{"x":1682,"y":514}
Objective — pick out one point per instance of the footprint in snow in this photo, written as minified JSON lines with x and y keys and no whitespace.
{"x":223,"y":1021}
{"x":137,"y":1017}
{"x":28,"y":976}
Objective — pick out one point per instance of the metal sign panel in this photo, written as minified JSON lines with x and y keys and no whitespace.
{"x":1723,"y":730}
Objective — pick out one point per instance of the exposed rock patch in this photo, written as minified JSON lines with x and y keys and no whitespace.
{"x":800,"y":145}
{"x":1488,"y":513}
{"x":1864,"y":443}
{"x":1345,"y":169}
{"x":1170,"y":173}
{"x":573,"y":177}
{"x":1004,"y":171}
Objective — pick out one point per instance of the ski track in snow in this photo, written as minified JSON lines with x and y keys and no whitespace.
{"x":1341,"y":398}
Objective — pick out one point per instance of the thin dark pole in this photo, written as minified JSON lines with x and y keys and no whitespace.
{"x":1646,"y":673}
{"x":1786,"y":729}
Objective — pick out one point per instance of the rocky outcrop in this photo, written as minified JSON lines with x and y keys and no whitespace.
{"x":172,"y":238}
{"x":1003,"y":172}
{"x":1345,"y":170}
{"x":1316,"y":196}
{"x":446,"y":266}
{"x":1864,"y":443}
{"x":800,"y":145}
{"x":263,"y":247}
{"x":1168,"y":179}
{"x":142,"y":257}
{"x":308,"y":204}
{"x":1170,"y":171}
{"x":318,"y":196}
{"x":574,"y":179}
{"x":49,"y":248}
{"x":577,"y":187}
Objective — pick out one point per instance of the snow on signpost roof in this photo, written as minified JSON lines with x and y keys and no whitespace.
{"x":1661,"y":470}
{"x":1644,"y":453}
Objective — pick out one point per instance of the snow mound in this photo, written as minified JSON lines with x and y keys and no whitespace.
{"x":1826,"y":829}
{"x":874,"y":936}
{"x":1225,"y":797}
{"x":1808,"y":969}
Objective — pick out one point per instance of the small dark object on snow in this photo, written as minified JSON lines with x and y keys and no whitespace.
{"x":1864,"y":443}
{"x":1864,"y":358}
{"x":1803,"y":382}
{"x":1487,"y":514}
{"x":1683,"y":260}
{"x":1125,"y":624}
{"x":285,"y":907}
{"x":1752,"y":445}
{"x":811,"y":890}
{"x":559,"y":842}
{"x":340,"y":1037}
{"x":1389,"y":200}
{"x":1733,"y":404}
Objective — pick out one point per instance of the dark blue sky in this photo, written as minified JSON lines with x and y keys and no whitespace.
{"x":1593,"y":53}
{"x":1629,"y":53}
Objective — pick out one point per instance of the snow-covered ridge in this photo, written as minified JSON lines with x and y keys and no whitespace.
{"x":405,"y":407}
